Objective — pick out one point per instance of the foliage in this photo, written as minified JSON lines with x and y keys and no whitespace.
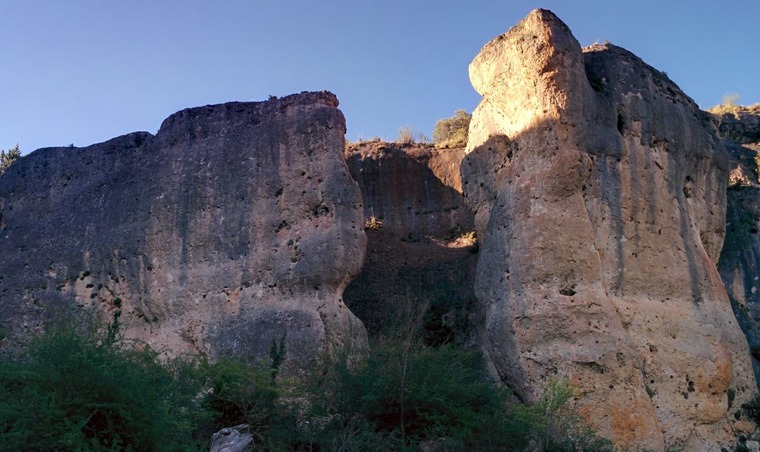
{"x":75,"y":392}
{"x":556,"y":426}
{"x":372,"y":223}
{"x":409,"y":397}
{"x":422,"y":138}
{"x":729,"y":104}
{"x":452,"y":132}
{"x":7,"y":158}
{"x":730,"y":101}
{"x":84,"y":392}
{"x":239,"y":393}
{"x":405,"y":135}
{"x":752,"y":408}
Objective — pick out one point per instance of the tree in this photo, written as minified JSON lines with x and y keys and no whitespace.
{"x":8,"y":157}
{"x":452,"y":132}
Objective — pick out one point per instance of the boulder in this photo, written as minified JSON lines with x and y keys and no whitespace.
{"x":232,"y":439}
{"x":598,"y":189}
{"x":232,"y":231}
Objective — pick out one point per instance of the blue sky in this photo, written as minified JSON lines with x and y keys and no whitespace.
{"x":82,"y":71}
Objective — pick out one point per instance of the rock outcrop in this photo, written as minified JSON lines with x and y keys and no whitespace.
{"x":739,"y":263}
{"x":598,"y":189}
{"x":421,"y":251}
{"x":233,"y":230}
{"x":232,"y":439}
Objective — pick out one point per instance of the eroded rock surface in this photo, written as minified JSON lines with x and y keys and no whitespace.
{"x":232,"y":439}
{"x":234,"y":230}
{"x":599,"y":196}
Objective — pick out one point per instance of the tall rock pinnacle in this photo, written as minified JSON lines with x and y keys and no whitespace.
{"x":598,"y":189}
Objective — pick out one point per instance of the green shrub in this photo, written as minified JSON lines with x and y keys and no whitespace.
{"x":87,"y":392}
{"x":406,"y":397}
{"x":74,"y":392}
{"x":239,"y":393}
{"x":452,"y":132}
{"x":7,"y":158}
{"x":556,"y":426}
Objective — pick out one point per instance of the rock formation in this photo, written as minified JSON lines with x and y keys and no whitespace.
{"x":599,"y":196}
{"x":232,"y":439}
{"x":423,"y":254}
{"x":233,"y":230}
{"x":739,"y":263}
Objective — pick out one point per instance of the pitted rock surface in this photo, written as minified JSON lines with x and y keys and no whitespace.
{"x":598,"y":189}
{"x":233,"y":230}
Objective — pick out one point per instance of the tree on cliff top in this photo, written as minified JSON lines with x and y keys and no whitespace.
{"x":8,"y":157}
{"x":452,"y":132}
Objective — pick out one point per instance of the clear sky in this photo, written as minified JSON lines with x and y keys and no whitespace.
{"x":83,"y":71}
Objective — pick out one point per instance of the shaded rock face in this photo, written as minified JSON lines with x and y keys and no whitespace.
{"x":739,"y":263}
{"x":412,"y":189}
{"x":421,"y":261}
{"x":599,"y":196}
{"x":234,"y":230}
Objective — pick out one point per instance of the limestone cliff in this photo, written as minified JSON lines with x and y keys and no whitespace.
{"x":233,"y":230}
{"x":599,"y":196}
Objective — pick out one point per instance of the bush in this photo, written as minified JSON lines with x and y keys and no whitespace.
{"x":73,"y":392}
{"x":730,"y":101}
{"x":729,"y":104}
{"x":406,"y":397}
{"x":7,"y":158}
{"x":405,"y":136}
{"x":239,"y":393}
{"x":556,"y":426}
{"x":452,"y":132}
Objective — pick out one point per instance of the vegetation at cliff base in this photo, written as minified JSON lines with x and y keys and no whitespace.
{"x":72,"y":391}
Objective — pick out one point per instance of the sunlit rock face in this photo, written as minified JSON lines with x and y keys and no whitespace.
{"x":599,"y":192}
{"x":233,"y":230}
